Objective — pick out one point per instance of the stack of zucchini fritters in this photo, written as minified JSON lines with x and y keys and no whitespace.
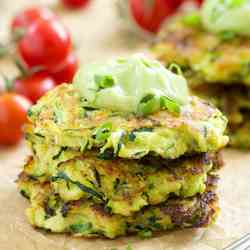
{"x":217,"y":67}
{"x":95,"y":172}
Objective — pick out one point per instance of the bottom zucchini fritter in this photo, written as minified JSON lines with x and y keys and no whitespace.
{"x":89,"y":219}
{"x":126,"y":186}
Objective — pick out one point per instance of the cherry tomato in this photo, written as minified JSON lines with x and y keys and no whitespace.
{"x":66,"y":70}
{"x":150,"y":14}
{"x":75,"y":4}
{"x":13,"y":109}
{"x":46,"y":43}
{"x":34,"y":86}
{"x":199,"y":2}
{"x":28,"y":16}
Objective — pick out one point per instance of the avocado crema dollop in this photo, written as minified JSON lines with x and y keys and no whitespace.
{"x":227,"y":16}
{"x":134,"y":84}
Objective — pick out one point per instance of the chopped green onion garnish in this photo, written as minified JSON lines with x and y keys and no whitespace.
{"x":103,"y":132}
{"x":193,"y":20}
{"x":170,"y":105}
{"x":175,"y":68}
{"x":104,"y":82}
{"x":149,"y":104}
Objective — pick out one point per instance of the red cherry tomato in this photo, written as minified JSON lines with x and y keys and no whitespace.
{"x":66,"y":70}
{"x":13,"y":109}
{"x":28,"y":16}
{"x":199,"y":2}
{"x":46,"y":43}
{"x":75,"y":4}
{"x":34,"y":86}
{"x":150,"y":14}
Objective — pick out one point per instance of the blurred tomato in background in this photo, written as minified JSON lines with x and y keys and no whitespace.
{"x":199,"y":2}
{"x":34,"y":86}
{"x":13,"y":109}
{"x":75,"y":4}
{"x":45,"y":58}
{"x":150,"y":14}
{"x":28,"y":16}
{"x":45,"y":43}
{"x":65,"y":70}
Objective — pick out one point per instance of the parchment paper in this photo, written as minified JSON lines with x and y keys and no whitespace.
{"x":99,"y":34}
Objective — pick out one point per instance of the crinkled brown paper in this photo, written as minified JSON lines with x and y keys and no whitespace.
{"x":98,"y":34}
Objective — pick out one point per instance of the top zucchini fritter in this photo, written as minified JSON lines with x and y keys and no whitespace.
{"x":61,"y":119}
{"x":204,"y":56}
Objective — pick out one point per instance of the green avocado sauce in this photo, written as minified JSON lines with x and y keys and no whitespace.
{"x":226,"y":16}
{"x":134,"y":84}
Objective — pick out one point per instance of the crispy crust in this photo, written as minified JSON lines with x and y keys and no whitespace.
{"x":127,"y":185}
{"x":60,"y":119}
{"x":234,"y":102}
{"x":198,"y":211}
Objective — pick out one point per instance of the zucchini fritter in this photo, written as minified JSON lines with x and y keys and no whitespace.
{"x":126,"y":186}
{"x":204,"y":57}
{"x":216,"y":67}
{"x":61,"y":119}
{"x":135,"y":163}
{"x":239,"y":136}
{"x":234,"y":101}
{"x":85,"y":218}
